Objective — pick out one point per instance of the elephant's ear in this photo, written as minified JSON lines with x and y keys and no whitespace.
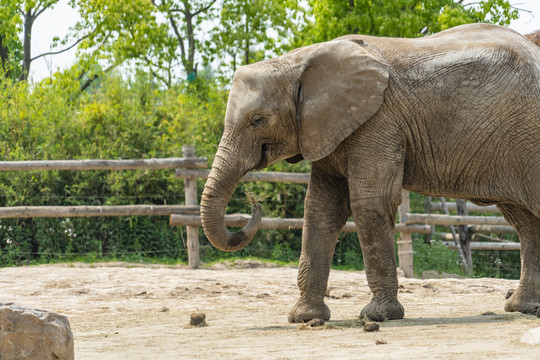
{"x":341,"y":87}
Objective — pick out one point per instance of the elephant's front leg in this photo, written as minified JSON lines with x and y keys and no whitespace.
{"x":374,"y":213}
{"x":326,"y":211}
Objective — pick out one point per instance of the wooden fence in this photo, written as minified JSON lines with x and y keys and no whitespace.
{"x":87,"y":211}
{"x":191,"y":168}
{"x":408,"y":223}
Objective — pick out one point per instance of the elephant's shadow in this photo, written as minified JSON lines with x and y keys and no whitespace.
{"x":486,"y":318}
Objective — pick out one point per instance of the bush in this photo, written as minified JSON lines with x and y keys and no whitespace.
{"x":119,"y":119}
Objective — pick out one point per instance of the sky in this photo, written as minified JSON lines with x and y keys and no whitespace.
{"x":57,"y":22}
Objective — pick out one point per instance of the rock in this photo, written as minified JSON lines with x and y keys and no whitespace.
{"x":198,"y":320}
{"x":248,"y":264}
{"x":315,"y":323}
{"x":371,"y":326}
{"x":219,"y":266}
{"x":450,"y":276}
{"x":431,"y":274}
{"x":531,"y":337}
{"x":32,"y":334}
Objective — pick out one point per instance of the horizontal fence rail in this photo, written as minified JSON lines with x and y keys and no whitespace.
{"x":268,"y":176}
{"x":480,"y":245}
{"x":92,"y":211}
{"x":437,"y":206}
{"x":433,"y":219}
{"x":169,"y":163}
{"x":105,"y":210}
{"x":239,"y":220}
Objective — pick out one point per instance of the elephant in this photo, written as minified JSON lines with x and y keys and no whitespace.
{"x":453,"y":114}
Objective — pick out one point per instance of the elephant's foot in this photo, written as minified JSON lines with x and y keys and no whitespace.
{"x":381,"y":310}
{"x":523,"y":301}
{"x":305,"y":311}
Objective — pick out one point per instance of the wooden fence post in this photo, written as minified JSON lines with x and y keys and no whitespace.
{"x":190,"y":188}
{"x":405,"y":249}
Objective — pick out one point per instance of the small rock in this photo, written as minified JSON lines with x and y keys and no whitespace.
{"x":34,"y":334}
{"x":488,"y":313}
{"x":509,"y":293}
{"x":164,"y":309}
{"x":371,"y":326}
{"x":198,"y":320}
{"x":381,"y":342}
{"x":315,"y":323}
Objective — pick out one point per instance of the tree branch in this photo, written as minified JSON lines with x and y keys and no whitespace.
{"x":178,"y":35}
{"x":150,"y":64}
{"x":89,"y":81}
{"x":63,"y":50}
{"x":204,"y":8}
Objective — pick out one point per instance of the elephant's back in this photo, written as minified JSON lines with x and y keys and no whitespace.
{"x":459,"y":45}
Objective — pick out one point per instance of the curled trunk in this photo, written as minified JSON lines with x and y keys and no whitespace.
{"x":216,"y":195}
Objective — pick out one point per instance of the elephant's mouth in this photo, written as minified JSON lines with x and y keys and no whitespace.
{"x":264,"y":157}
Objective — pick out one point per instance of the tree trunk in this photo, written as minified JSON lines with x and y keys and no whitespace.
{"x":27,"y":45}
{"x":191,"y":69}
{"x":246,"y":48}
{"x":3,"y":55}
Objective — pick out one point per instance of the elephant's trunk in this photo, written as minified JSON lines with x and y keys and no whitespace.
{"x":216,"y":195}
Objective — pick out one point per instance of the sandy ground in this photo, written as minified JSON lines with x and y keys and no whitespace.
{"x":125,"y":311}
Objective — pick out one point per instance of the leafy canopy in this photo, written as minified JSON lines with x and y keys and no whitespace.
{"x":398,"y":18}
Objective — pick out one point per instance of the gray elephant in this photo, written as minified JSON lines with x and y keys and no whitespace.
{"x":454,"y":114}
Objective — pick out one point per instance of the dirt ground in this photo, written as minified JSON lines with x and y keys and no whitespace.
{"x":126,"y":311}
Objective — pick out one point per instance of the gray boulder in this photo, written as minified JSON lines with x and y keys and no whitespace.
{"x":34,"y":334}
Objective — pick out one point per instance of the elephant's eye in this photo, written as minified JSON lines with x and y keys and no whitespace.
{"x":257,"y":120}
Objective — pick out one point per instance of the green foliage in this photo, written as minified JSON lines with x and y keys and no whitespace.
{"x":253,"y":30}
{"x":120,"y":119}
{"x":138,"y":105}
{"x":403,"y":18}
{"x":434,"y":255}
{"x":10,"y":43}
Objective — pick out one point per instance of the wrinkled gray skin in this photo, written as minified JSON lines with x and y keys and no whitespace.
{"x":455,"y":114}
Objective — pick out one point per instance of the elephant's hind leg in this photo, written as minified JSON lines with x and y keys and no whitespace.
{"x":326,"y":211}
{"x":526,"y":298}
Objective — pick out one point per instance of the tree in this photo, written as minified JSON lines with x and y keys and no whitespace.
{"x":250,"y":30}
{"x":150,"y":33}
{"x":113,"y":32}
{"x":10,"y":44}
{"x":17,"y":19}
{"x":185,"y":19}
{"x":402,"y":18}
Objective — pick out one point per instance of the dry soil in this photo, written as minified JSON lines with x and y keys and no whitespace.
{"x":126,"y":311}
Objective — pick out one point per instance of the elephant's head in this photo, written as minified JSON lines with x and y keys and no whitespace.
{"x":302,"y":104}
